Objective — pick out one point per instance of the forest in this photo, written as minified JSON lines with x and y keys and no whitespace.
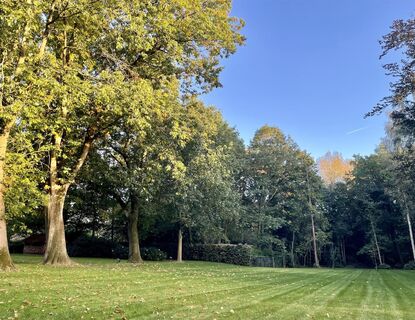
{"x":108,"y":150}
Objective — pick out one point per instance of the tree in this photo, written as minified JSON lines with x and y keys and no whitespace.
{"x":402,"y":168}
{"x":106,"y":61}
{"x":372,"y":179}
{"x":280,"y":189}
{"x":401,"y":38}
{"x":337,"y":205}
{"x":203,"y":196}
{"x":138,"y":157}
{"x":333,"y":168}
{"x":21,"y":46}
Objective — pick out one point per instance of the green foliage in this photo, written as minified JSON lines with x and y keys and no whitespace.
{"x":81,"y":71}
{"x":384,"y":266}
{"x":85,"y":246}
{"x":225,"y":253}
{"x":373,"y":204}
{"x":118,"y":80}
{"x":16,"y":246}
{"x":153,"y":254}
{"x":203,"y":196}
{"x":279,"y":182}
{"x":400,"y":39}
{"x":23,"y":195}
{"x":409,"y":266}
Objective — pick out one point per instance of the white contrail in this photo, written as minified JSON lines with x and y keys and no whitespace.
{"x":356,"y":130}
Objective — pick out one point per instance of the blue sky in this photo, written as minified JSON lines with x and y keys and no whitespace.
{"x":311,"y":68}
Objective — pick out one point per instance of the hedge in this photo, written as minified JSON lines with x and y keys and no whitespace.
{"x":153,"y":254}
{"x":91,"y":247}
{"x":239,"y":254}
{"x":16,"y":247}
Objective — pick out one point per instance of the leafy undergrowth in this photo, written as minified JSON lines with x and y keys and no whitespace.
{"x":105,"y":289}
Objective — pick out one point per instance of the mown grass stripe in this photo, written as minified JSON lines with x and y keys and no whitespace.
{"x":108,"y":290}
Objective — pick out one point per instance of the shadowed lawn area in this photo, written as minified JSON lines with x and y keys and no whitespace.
{"x":105,"y":289}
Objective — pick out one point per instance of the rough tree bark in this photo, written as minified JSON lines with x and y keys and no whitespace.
{"x":56,"y":253}
{"x":180,"y":245}
{"x":5,"y":259}
{"x":134,"y":255}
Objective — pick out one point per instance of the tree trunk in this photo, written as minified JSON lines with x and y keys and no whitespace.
{"x":284,"y":262}
{"x":292,"y":251}
{"x":5,"y":259}
{"x":411,"y":235}
{"x":316,"y":262}
{"x":343,"y":251}
{"x":180,"y":246}
{"x":408,"y":220}
{"x":376,"y":242}
{"x":313,"y":229}
{"x":6,"y":263}
{"x":56,"y":253}
{"x":112,"y":228}
{"x":134,"y":255}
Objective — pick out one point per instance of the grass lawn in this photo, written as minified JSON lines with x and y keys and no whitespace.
{"x":104,"y":289}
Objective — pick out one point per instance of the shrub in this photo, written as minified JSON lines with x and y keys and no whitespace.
{"x":91,"y":247}
{"x":225,"y":253}
{"x":16,"y":246}
{"x":119,"y":251}
{"x":384,"y":266}
{"x":153,"y":254}
{"x":409,"y":266}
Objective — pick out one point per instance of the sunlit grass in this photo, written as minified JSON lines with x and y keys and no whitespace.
{"x":105,"y":289}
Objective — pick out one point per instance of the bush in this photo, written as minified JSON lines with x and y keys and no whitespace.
{"x":384,"y":266}
{"x":16,"y":247}
{"x":91,"y":247}
{"x":153,"y":254}
{"x":225,"y":253}
{"x":409,"y":266}
{"x":119,"y":251}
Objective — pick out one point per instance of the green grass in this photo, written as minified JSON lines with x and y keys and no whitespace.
{"x":104,"y":289}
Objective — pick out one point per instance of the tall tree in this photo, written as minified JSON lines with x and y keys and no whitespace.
{"x":401,"y":38}
{"x":280,"y":192}
{"x":138,"y":157}
{"x":106,"y":60}
{"x":372,"y":178}
{"x":338,"y":211}
{"x":204,"y":195}
{"x":25,"y":28}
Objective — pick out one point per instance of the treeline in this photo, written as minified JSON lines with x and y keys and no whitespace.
{"x":105,"y":144}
